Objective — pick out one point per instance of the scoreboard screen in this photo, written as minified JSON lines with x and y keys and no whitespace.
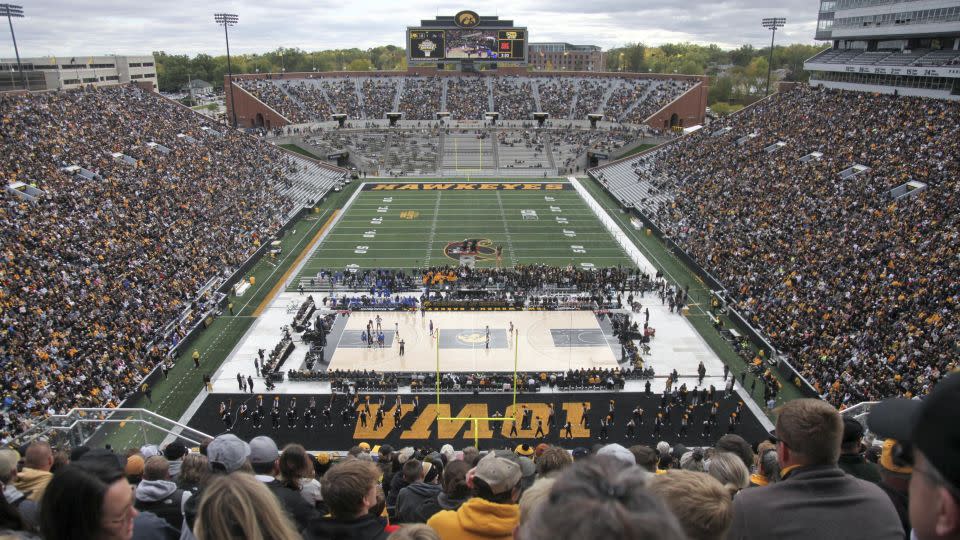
{"x":426,"y":44}
{"x":483,"y":44}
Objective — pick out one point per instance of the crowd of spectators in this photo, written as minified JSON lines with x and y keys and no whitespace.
{"x":857,"y":289}
{"x":96,"y":268}
{"x":421,"y":98}
{"x":664,"y":92}
{"x":513,"y":98}
{"x":378,"y":97}
{"x":467,"y":98}
{"x":231,"y":488}
{"x":310,"y":96}
{"x":343,"y":98}
{"x":271,"y":94}
{"x":556,"y":95}
{"x":590,"y":97}
{"x":625,"y":95}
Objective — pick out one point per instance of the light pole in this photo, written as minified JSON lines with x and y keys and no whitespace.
{"x":772,"y":23}
{"x":227,"y":20}
{"x":11,"y":11}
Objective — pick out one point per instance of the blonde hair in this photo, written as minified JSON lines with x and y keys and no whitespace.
{"x":729,"y":469}
{"x":703,"y":506}
{"x":415,"y":531}
{"x":238,"y":506}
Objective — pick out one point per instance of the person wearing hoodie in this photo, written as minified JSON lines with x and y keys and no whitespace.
{"x":157,"y":494}
{"x":37,"y":462}
{"x":350,"y":490}
{"x":397,"y":482}
{"x":455,"y":491}
{"x":492,"y":512}
{"x":411,"y":500}
{"x":174,"y":453}
{"x":17,"y":499}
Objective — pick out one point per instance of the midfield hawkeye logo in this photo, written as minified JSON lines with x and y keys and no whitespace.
{"x":485,"y":249}
{"x":409,"y":214}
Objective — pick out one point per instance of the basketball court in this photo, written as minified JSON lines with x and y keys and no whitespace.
{"x":545,"y":341}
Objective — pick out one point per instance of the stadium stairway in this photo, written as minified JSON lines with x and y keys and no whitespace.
{"x":443,"y":95}
{"x":401,"y":84}
{"x":490,"y":105}
{"x":535,"y":87}
{"x":576,"y":97}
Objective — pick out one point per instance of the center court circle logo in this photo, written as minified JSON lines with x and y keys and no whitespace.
{"x":471,"y":338}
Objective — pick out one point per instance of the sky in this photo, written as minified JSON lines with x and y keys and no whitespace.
{"x":58,"y":27}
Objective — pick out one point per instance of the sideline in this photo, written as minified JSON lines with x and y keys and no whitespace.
{"x":281,"y":283}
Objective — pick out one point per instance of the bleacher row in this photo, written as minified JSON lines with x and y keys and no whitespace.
{"x":419,"y":98}
{"x":431,"y":150}
{"x":914,"y":58}
{"x":309,"y":181}
{"x":638,"y":183}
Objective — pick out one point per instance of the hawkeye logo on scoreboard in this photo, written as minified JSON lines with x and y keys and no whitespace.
{"x":467,"y":19}
{"x":473,"y":186}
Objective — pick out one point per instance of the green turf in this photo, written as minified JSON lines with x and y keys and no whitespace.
{"x":373,"y":233}
{"x":637,"y":150}
{"x":300,"y":150}
{"x":677,"y":271}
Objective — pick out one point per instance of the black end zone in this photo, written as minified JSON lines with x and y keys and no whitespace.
{"x":420,"y":427}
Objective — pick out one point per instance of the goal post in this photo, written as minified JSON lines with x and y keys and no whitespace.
{"x":474,"y":420}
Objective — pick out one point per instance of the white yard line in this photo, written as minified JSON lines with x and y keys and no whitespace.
{"x":506,"y":228}
{"x":433,"y":230}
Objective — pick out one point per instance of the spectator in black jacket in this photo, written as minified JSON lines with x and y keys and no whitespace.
{"x":423,"y":490}
{"x":265,"y":461}
{"x":350,"y":490}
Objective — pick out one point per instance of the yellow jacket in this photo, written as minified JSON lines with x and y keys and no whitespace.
{"x":476,"y":519}
{"x":32,"y":482}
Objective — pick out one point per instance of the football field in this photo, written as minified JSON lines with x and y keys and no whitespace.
{"x":420,"y":224}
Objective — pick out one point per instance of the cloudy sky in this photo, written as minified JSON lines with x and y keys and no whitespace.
{"x":58,"y":27}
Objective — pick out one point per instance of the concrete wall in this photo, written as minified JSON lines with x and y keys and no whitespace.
{"x":251,"y":112}
{"x":690,"y":109}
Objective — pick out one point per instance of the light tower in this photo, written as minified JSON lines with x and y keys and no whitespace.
{"x":227,"y":20}
{"x":772,"y":23}
{"x":10,"y":11}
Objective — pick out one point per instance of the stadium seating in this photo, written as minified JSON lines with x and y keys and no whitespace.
{"x":855,"y":287}
{"x":104,"y":270}
{"x":466,"y":98}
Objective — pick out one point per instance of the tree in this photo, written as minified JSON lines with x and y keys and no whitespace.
{"x":360,"y":64}
{"x":721,"y":90}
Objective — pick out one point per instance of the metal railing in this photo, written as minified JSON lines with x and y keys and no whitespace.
{"x":120,"y":428}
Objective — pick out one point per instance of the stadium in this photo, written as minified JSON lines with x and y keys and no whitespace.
{"x":472,"y":292}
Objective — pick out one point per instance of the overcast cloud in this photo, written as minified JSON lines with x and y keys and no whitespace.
{"x":58,"y":27}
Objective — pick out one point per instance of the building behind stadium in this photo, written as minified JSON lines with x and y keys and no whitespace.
{"x":908,"y":47}
{"x":67,"y":72}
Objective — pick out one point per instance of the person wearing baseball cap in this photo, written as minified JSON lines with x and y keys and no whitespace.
{"x":895,"y":471}
{"x":226,"y":454}
{"x":932,"y":428}
{"x":492,"y":511}
{"x":265,"y":460}
{"x":852,"y":460}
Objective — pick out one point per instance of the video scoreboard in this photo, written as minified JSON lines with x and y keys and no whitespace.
{"x":467,"y":37}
